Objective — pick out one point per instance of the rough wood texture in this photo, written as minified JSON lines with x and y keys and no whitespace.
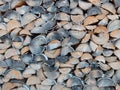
{"x":59,"y":45}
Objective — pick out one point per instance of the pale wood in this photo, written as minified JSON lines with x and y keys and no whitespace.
{"x":53,"y":53}
{"x":12,"y":24}
{"x":90,"y":20}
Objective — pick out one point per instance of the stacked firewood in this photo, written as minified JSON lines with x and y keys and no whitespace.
{"x":59,"y":44}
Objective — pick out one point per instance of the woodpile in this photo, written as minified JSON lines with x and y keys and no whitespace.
{"x":59,"y":45}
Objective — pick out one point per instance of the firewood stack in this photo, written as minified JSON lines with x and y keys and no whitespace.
{"x":59,"y":44}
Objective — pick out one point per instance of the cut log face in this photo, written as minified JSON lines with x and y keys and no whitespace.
{"x":78,"y":34}
{"x":63,"y":16}
{"x":103,"y":82}
{"x":112,"y":17}
{"x":102,"y":38}
{"x":48,"y":82}
{"x":111,"y":7}
{"x":3,"y":32}
{"x":8,"y":86}
{"x":113,"y":25}
{"x":86,"y":38}
{"x":100,"y":58}
{"x":83,"y":48}
{"x":76,"y":10}
{"x":84,"y":5}
{"x":13,"y":74}
{"x":12,"y":24}
{"x":115,"y":34}
{"x":27,"y":18}
{"x":33,"y":80}
{"x":53,"y":53}
{"x":77,"y":19}
{"x":90,"y":20}
{"x":16,"y":4}
{"x":94,"y":11}
{"x":86,"y":56}
{"x":95,"y":2}
{"x":116,"y":52}
{"x":115,"y":65}
{"x":53,"y":44}
{"x":11,"y":52}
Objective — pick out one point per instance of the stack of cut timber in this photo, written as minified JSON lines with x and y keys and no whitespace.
{"x":59,"y":44}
